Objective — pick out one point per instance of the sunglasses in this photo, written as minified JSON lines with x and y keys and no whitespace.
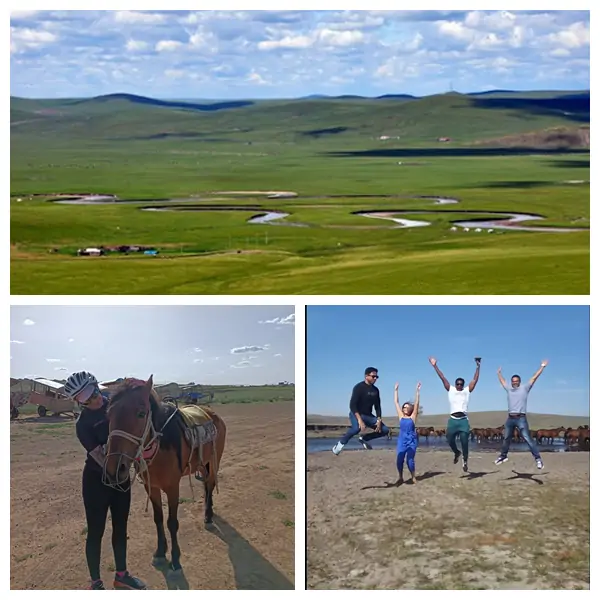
{"x":374,"y":376}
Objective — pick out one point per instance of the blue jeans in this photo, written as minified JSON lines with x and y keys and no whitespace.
{"x":354,"y":429}
{"x":521,"y":424}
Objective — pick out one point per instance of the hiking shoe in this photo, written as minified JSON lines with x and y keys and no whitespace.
{"x":96,"y":585}
{"x":128,"y":582}
{"x":365,"y":444}
{"x":500,"y":460}
{"x":465,"y":466}
{"x":337,"y":448}
{"x":456,"y":457}
{"x":539,"y":464}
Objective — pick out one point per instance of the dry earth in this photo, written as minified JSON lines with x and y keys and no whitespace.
{"x":506,"y":527}
{"x":251,"y":547}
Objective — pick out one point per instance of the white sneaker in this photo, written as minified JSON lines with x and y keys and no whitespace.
{"x":539,"y":464}
{"x":337,"y":448}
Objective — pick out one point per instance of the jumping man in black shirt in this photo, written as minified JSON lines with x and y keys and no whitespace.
{"x":365,"y":396}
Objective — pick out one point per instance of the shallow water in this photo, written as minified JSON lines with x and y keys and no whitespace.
{"x":326,"y":444}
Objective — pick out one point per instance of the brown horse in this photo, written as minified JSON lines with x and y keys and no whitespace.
{"x":156,"y":439}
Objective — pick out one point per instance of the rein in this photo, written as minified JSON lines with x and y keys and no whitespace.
{"x":141,"y":464}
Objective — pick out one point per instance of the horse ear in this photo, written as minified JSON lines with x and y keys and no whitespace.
{"x":149,"y":383}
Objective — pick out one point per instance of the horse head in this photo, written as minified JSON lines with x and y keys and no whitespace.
{"x":130,"y":429}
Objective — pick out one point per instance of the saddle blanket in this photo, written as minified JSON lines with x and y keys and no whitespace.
{"x":200,"y":427}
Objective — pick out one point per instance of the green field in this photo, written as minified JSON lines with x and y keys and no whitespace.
{"x":326,"y":151}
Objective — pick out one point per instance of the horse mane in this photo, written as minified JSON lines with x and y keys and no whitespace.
{"x":160,"y":412}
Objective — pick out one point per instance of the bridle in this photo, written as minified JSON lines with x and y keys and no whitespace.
{"x":140,"y":462}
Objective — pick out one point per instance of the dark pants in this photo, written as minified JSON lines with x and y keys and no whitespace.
{"x":354,"y":429}
{"x":97,"y":500}
{"x":522,"y":425}
{"x":461,"y":428}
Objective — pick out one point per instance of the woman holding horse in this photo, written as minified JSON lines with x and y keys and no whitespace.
{"x":98,"y":499}
{"x":407,"y":435}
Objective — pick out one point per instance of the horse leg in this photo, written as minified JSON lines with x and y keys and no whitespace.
{"x":173,"y":525}
{"x":209,"y":486}
{"x":160,"y":556}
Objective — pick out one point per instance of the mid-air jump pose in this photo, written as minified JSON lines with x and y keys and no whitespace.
{"x":517,"y":414}
{"x":458,"y":423}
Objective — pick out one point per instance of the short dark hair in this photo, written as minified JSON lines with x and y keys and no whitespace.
{"x":460,"y":379}
{"x":516,"y":377}
{"x":370,"y":370}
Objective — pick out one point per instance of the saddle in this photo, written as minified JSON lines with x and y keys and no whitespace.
{"x":200,"y":430}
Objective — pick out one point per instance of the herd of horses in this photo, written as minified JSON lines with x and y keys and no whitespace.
{"x":570,"y":435}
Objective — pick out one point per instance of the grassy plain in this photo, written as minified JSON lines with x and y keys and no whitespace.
{"x":330,"y":154}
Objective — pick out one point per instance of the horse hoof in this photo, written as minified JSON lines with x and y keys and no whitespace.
{"x":159,"y":561}
{"x":174,"y":572}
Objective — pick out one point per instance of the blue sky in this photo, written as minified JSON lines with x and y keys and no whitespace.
{"x":242,"y":345}
{"x":398,"y":340}
{"x":270,"y":54}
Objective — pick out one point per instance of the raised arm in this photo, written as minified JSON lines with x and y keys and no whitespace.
{"x":397,"y":402}
{"x":476,"y":376}
{"x":501,"y":379}
{"x":415,"y":412}
{"x":538,"y":372}
{"x":433,"y":362}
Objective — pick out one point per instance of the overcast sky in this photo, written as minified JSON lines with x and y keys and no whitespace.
{"x":262,"y":54}
{"x":205,"y":344}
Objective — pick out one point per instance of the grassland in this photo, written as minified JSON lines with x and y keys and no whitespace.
{"x":314,"y":148}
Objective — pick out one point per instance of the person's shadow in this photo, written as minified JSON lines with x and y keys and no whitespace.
{"x":393,"y":484}
{"x":474,"y":475}
{"x":252,"y":571}
{"x":175,"y":580}
{"x":527,"y":476}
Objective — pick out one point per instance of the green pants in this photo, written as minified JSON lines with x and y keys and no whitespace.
{"x":462,"y":428}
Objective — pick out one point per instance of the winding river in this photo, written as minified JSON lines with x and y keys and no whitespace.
{"x":496,"y":220}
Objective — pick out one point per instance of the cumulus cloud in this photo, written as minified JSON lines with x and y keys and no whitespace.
{"x":289,"y":320}
{"x":168,"y":45}
{"x":28,"y":322}
{"x":71,"y":340}
{"x":236,"y":53}
{"x":247,"y":349}
{"x":243,"y":364}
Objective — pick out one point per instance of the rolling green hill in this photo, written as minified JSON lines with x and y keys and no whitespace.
{"x":331,"y":153}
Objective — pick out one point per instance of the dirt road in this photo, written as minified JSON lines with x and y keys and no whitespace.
{"x":506,"y":527}
{"x":252,"y":546}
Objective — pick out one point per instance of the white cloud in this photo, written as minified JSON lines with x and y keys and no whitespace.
{"x":575,"y":36}
{"x":71,"y":340}
{"x":198,"y":360}
{"x":136,"y":45}
{"x":289,"y":320}
{"x":246,"y":349}
{"x":16,"y":342}
{"x":53,"y":360}
{"x":23,"y":14}
{"x":197,"y":349}
{"x":28,"y":322}
{"x":136,"y":17}
{"x":26,"y":38}
{"x":168,"y":45}
{"x":276,"y":355}
{"x":175,"y":74}
{"x":61,"y":369}
{"x":244,"y":364}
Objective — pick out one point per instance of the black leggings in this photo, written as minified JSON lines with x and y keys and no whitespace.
{"x":97,"y":500}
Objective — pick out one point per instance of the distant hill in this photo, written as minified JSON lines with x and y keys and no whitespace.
{"x":459,"y":118}
{"x":557,"y":137}
{"x":477,"y":419}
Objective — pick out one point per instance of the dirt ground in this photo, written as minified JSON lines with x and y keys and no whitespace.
{"x":250,"y":547}
{"x":505,"y":527}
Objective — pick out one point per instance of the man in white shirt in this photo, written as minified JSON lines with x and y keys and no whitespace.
{"x":458,"y":423}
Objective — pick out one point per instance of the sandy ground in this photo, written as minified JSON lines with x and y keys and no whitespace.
{"x":252,"y":546}
{"x":505,"y":527}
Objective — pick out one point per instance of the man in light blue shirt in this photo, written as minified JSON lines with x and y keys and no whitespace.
{"x":517,"y":414}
